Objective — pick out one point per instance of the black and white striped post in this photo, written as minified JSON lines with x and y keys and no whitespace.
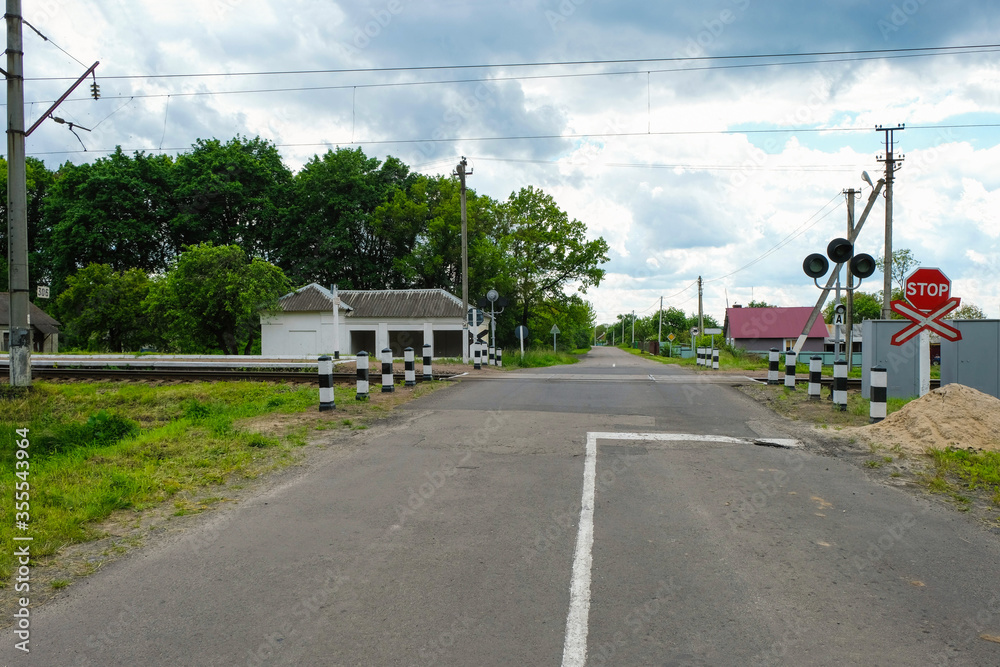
{"x":493,"y":356}
{"x":701,"y":356}
{"x":326,"y":399}
{"x":790,"y":358}
{"x":815,"y":377}
{"x":428,"y":369}
{"x":715,"y":360}
{"x":499,"y":357}
{"x":772,"y":366}
{"x":878,"y":394}
{"x":477,"y":357}
{"x":409,"y":368}
{"x":362,"y":363}
{"x":387,"y":384}
{"x":840,"y":385}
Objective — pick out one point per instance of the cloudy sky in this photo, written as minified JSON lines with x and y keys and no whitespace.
{"x":695,"y":162}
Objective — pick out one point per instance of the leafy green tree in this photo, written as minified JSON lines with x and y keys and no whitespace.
{"x":114,"y":211}
{"x":101,"y":309}
{"x":903,"y":262}
{"x":545,"y":249}
{"x":573,"y":316}
{"x":39,"y":180}
{"x":760,"y":304}
{"x":212,"y":299}
{"x":866,"y":307}
{"x":968,"y":311}
{"x":231,"y":193}
{"x":348,"y":222}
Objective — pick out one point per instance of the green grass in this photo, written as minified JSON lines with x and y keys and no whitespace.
{"x":537,"y":359}
{"x":98,"y":448}
{"x":957,"y":470}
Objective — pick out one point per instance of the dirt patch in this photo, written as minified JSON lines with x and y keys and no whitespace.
{"x":954,"y":415}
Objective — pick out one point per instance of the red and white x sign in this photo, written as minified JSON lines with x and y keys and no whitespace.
{"x":929,"y":320}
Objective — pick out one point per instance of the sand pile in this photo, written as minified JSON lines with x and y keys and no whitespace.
{"x":953,"y":415}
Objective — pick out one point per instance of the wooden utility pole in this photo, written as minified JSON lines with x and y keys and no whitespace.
{"x":460,"y":170}
{"x":890,"y":169}
{"x":17,"y":208}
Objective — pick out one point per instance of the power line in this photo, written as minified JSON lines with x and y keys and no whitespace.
{"x":798,"y":231}
{"x":424,"y":68}
{"x":532,"y":137}
{"x":401,"y":84}
{"x":38,"y":32}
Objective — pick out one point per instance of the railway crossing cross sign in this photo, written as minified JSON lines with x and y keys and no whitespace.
{"x":928,"y":291}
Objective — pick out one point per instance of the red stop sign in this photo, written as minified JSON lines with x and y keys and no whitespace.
{"x":927,"y":288}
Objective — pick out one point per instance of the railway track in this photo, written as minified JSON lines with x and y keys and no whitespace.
{"x":200,"y":375}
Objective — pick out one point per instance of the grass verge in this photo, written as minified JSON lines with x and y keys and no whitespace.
{"x":99,"y":448}
{"x":538,"y":359}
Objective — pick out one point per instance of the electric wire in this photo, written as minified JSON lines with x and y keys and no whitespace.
{"x":798,"y":231}
{"x":959,"y":49}
{"x":39,"y":33}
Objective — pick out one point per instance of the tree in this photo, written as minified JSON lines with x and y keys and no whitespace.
{"x":968,"y":311}
{"x":230,"y":193}
{"x":902,"y":263}
{"x":545,"y":250}
{"x":213,"y":297}
{"x":331,"y":233}
{"x":101,"y":309}
{"x":115,"y":211}
{"x":39,"y":180}
{"x":866,"y":307}
{"x":759,"y":304}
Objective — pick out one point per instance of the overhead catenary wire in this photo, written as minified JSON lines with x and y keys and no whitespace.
{"x":958,"y":49}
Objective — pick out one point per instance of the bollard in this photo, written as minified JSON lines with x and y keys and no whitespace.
{"x":362,"y":363}
{"x":715,"y":360}
{"x":428,"y":370}
{"x":840,"y":385}
{"x":878,"y":394}
{"x":493,"y":356}
{"x":409,"y":369}
{"x":815,"y":377}
{"x":701,"y":356}
{"x":499,"y":357}
{"x":387,"y":385}
{"x":477,"y":358}
{"x":772,"y":366}
{"x":790,"y":358}
{"x":326,"y":399}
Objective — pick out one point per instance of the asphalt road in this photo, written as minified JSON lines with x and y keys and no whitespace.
{"x":482,"y":525}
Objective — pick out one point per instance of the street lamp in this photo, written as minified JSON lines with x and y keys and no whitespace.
{"x":840,"y":251}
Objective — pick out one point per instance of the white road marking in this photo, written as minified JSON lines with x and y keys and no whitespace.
{"x":577,"y":621}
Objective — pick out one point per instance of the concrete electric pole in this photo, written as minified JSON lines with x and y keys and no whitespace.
{"x":701,"y":312}
{"x":460,"y":171}
{"x":17,"y":208}
{"x":890,"y":169}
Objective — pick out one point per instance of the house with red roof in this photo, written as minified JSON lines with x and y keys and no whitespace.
{"x":760,"y":329}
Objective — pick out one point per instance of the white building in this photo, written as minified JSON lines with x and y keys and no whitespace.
{"x":368,"y":320}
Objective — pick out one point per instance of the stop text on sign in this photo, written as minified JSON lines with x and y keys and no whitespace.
{"x":933,"y":290}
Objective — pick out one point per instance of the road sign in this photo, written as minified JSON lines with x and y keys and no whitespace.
{"x":694,"y":332}
{"x":478,"y":316}
{"x":713,"y":332}
{"x":554,"y":330}
{"x":43,"y":291}
{"x":521,"y":332}
{"x":929,"y":321}
{"x":927,"y":288}
{"x":671,"y":337}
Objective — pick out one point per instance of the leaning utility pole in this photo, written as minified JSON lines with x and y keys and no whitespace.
{"x":460,"y":170}
{"x":890,"y":169}
{"x":850,"y":192}
{"x":17,"y":207}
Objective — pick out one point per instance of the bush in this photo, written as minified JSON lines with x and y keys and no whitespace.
{"x":100,"y":429}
